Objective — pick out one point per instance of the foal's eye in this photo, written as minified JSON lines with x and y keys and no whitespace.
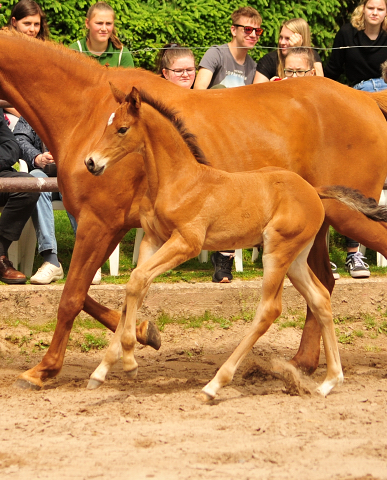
{"x":123,"y":130}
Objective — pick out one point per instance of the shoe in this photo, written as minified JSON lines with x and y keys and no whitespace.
{"x":335,"y":273}
{"x":356,"y":267}
{"x":97,"y":278}
{"x":47,"y":273}
{"x":223,"y":266}
{"x":9,"y":274}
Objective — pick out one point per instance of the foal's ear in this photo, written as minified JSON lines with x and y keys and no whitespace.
{"x":118,"y":95}
{"x":134,"y":98}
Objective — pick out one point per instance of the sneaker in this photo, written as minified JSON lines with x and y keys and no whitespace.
{"x":335,"y":273}
{"x":46,"y":274}
{"x":97,"y":278}
{"x":223,"y":266}
{"x":356,"y":267}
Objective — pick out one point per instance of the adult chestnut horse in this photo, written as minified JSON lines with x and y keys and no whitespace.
{"x":326,"y":132}
{"x":190,"y":206}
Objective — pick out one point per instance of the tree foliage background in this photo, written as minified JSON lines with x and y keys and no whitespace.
{"x":145,"y":26}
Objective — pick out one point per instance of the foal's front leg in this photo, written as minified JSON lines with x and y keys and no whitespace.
{"x":174,"y":252}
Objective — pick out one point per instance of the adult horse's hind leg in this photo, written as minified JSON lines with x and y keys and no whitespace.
{"x":318,"y":300}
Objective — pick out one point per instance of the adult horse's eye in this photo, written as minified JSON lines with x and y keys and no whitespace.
{"x":123,"y":130}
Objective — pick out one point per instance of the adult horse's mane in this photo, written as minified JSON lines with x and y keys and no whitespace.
{"x":172,"y":115}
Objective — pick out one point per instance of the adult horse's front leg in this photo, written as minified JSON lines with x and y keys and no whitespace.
{"x":155,"y":262}
{"x":308,"y":355}
{"x":84,"y":263}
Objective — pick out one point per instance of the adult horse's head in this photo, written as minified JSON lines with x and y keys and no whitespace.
{"x":114,"y":143}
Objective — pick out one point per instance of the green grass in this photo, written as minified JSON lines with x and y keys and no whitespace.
{"x":191,"y":271}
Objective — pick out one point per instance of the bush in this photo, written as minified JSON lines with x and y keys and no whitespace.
{"x":145,"y":26}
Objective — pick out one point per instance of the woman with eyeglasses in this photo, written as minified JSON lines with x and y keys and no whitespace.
{"x":101,"y":41}
{"x":176,"y":64}
{"x":294,"y":33}
{"x":366,"y":37}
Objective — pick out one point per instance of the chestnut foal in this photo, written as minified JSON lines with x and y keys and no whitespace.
{"x":190,"y":206}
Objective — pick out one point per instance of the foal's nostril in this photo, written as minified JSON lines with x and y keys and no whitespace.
{"x":90,"y":164}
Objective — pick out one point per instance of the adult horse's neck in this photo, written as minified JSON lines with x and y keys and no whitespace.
{"x":169,"y":152}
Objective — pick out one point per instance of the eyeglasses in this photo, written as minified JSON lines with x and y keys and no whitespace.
{"x":250,"y":30}
{"x":299,"y":73}
{"x":180,"y":71}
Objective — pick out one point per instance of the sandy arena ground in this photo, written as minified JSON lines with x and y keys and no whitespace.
{"x":259,"y":427}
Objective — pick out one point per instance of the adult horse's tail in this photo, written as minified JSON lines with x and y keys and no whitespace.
{"x":354,"y":200}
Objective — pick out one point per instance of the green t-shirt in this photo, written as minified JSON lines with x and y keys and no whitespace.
{"x":112,"y":56}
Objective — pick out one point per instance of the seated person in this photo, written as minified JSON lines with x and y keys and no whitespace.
{"x":18,"y":206}
{"x":38,"y":159}
{"x":294,"y":33}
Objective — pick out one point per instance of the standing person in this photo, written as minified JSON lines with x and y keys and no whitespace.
{"x":366,"y":34}
{"x":101,"y":41}
{"x":176,"y":64}
{"x":18,"y":206}
{"x":294,"y":33}
{"x":230,"y":65}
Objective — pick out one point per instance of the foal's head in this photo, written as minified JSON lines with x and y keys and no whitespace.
{"x":115,"y":143}
{"x":123,"y":133}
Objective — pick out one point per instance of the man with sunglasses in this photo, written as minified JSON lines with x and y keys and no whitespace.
{"x":230,"y":65}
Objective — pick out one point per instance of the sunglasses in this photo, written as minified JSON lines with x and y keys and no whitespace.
{"x":250,"y":30}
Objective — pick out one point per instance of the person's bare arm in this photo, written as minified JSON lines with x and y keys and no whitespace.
{"x":260,"y":78}
{"x":319,"y":69}
{"x":203,"y":79}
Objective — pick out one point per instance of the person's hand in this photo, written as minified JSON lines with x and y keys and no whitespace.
{"x":43,"y":159}
{"x":295,"y":40}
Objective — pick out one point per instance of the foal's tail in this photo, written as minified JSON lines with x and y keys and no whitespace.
{"x":354,"y":200}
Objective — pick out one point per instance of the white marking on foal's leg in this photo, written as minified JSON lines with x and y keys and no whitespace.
{"x":325,"y":388}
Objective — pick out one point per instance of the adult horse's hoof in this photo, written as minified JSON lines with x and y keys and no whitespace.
{"x":148,"y":334}
{"x":93,"y":384}
{"x":131,"y":374}
{"x":26,"y":384}
{"x":206,"y":396}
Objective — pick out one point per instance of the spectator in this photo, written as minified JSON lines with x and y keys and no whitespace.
{"x":26,"y":17}
{"x":40,"y":162}
{"x":17,"y":206}
{"x":366,"y":34}
{"x":101,"y":41}
{"x":230,"y":65}
{"x":299,"y":62}
{"x":294,"y":33}
{"x":176,"y":64}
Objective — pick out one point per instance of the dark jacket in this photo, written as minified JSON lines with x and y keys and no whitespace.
{"x":357,"y":63}
{"x":9,"y":149}
{"x":30,"y":143}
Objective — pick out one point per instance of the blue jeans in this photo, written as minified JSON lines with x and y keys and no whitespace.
{"x":43,"y":218}
{"x":371,"y":85}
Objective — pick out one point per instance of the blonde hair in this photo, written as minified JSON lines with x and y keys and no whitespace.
{"x":296,"y":25}
{"x":357,"y":17}
{"x":103,"y":6}
{"x":383,"y":68}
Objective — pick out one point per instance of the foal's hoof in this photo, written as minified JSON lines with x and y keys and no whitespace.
{"x":93,"y":384}
{"x":132,"y":374}
{"x":206,"y":396}
{"x":26,"y":384}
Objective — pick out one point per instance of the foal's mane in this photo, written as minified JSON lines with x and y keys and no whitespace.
{"x":171,"y":115}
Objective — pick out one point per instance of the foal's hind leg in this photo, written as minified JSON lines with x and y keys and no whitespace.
{"x":269,"y":309}
{"x":318,"y":300}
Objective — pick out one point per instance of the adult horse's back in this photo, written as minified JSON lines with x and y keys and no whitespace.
{"x":326,"y":132}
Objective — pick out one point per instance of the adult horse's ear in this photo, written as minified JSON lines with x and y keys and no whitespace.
{"x":118,"y":95}
{"x":134,"y":98}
